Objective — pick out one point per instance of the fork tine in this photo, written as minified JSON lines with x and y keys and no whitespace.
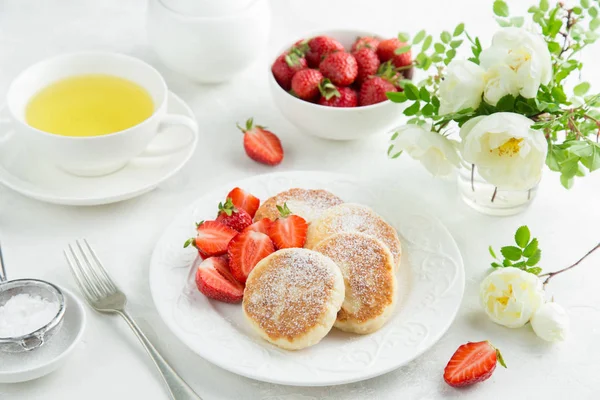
{"x":78,"y":278}
{"x":100,"y":282}
{"x":92,"y":288}
{"x":100,"y":268}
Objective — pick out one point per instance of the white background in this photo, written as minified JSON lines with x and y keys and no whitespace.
{"x":109,"y":363}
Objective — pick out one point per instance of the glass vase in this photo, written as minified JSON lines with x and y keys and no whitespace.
{"x":490,"y":200}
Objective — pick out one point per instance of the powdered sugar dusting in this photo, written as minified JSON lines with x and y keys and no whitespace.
{"x":307,"y":203}
{"x":289,"y":295}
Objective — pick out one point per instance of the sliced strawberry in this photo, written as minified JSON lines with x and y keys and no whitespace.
{"x":233,"y":217}
{"x":246,"y":250}
{"x":289,"y":230}
{"x":212,"y":238}
{"x":471,"y":363}
{"x":215,"y":281}
{"x":260,"y":226}
{"x":261,"y":145}
{"x":244,"y":200}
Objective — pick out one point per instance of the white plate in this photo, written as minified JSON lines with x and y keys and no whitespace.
{"x":433,"y":281}
{"x":21,"y":367}
{"x":50,"y":184}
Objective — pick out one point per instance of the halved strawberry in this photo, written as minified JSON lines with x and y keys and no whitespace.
{"x":246,"y":250}
{"x":289,"y":230}
{"x":212,"y":238}
{"x":233,"y":217}
{"x":471,"y":363}
{"x":261,"y":145}
{"x":215,"y":281}
{"x":244,"y":200}
{"x":260,"y":226}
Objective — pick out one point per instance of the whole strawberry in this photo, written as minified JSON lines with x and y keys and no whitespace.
{"x":284,"y":68}
{"x":373,"y":91}
{"x":368,"y":42}
{"x":305,"y":84}
{"x":319,"y":47}
{"x":332,"y":96}
{"x":233,"y":217}
{"x":368,"y":64}
{"x":387,"y":51}
{"x":340,"y":67}
{"x":261,"y":145}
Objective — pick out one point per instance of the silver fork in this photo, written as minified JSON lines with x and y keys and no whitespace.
{"x":104,"y":296}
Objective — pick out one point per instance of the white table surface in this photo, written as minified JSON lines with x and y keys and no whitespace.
{"x":110,"y":364}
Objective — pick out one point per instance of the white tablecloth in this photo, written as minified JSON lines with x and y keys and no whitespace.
{"x":110,"y":364}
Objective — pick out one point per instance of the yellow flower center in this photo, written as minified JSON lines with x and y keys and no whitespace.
{"x":518,"y":58}
{"x":507,"y":295}
{"x":509,"y":148}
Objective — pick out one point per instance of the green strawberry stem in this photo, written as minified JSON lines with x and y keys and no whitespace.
{"x":328,"y":89}
{"x":284,"y":211}
{"x":190,"y":241}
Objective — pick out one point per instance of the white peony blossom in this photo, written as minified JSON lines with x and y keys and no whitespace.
{"x":510,"y":296}
{"x":550,"y":322}
{"x":500,"y":80}
{"x":505,"y":150}
{"x":462,"y":87}
{"x":523,"y":52}
{"x":437,"y":153}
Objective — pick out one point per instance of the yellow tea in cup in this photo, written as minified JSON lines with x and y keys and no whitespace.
{"x":89,"y":105}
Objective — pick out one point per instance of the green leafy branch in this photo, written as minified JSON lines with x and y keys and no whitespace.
{"x":525,"y":255}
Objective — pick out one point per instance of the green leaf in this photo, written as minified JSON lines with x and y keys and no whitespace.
{"x":594,"y":24}
{"x":451,"y":53}
{"x":559,"y":94}
{"x":584,"y":3}
{"x":424,"y":94}
{"x":577,"y":10}
{"x":522,"y":236}
{"x":535,"y":258}
{"x":435,"y":101}
{"x":402,"y":50}
{"x":568,"y":168}
{"x":592,"y":162}
{"x":396,"y":97}
{"x":554,"y":47}
{"x":459,"y":29}
{"x":566,"y":182}
{"x":506,"y":103}
{"x":544,"y":5}
{"x":531,"y":248}
{"x":593,"y":11}
{"x":412,"y":110}
{"x":394,"y":136}
{"x":534,"y":270}
{"x":502,"y":22}
{"x":439,"y":48}
{"x":517,"y":21}
{"x":512,"y":253}
{"x":411,"y":91}
{"x":419,"y":36}
{"x":427,"y":111}
{"x":507,"y":262}
{"x":427,"y":43}
{"x":500,"y":8}
{"x":446,"y":37}
{"x":455,"y":44}
{"x":496,"y":265}
{"x":403,"y":37}
{"x":492,"y":253}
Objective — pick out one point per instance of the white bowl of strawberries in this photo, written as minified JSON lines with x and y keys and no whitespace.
{"x":333,"y":84}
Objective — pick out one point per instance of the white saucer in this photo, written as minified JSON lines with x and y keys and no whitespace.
{"x":21,"y":367}
{"x":50,"y":184}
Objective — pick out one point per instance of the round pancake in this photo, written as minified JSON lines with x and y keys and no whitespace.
{"x":348,"y":218}
{"x":292,"y":297}
{"x":371,"y":289}
{"x":307,"y":203}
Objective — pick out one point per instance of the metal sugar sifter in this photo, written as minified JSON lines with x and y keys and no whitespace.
{"x":33,"y":287}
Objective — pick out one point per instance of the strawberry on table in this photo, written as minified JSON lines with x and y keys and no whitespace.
{"x":367,"y":62}
{"x":245,"y":251}
{"x":244,"y":200}
{"x":233,"y":217}
{"x":305,"y":84}
{"x":284,"y":68}
{"x":333,"y":96}
{"x":319,"y":47}
{"x":365,"y":42}
{"x":215,"y":281}
{"x":212,"y":238}
{"x":288,"y":230}
{"x":261,"y":145}
{"x":374,"y":90}
{"x":471,"y":363}
{"x":340,"y":67}
{"x":261,"y":226}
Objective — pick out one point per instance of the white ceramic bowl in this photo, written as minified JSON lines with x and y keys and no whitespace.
{"x":331,"y":122}
{"x":208,"y":49}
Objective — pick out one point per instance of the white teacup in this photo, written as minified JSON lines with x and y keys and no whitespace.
{"x":95,"y":155}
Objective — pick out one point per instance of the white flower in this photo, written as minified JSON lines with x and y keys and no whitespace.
{"x":462,"y":87}
{"x":510,"y":296}
{"x":550,"y":322}
{"x":505,"y":150}
{"x":500,"y":80}
{"x":437,"y":153}
{"x":525,"y":53}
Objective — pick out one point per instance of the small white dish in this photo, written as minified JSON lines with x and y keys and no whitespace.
{"x":208,"y":49}
{"x":332,"y":122}
{"x":431,"y":279}
{"x":21,"y":367}
{"x":46,"y":182}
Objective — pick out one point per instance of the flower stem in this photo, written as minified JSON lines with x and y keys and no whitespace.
{"x":551,"y":274}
